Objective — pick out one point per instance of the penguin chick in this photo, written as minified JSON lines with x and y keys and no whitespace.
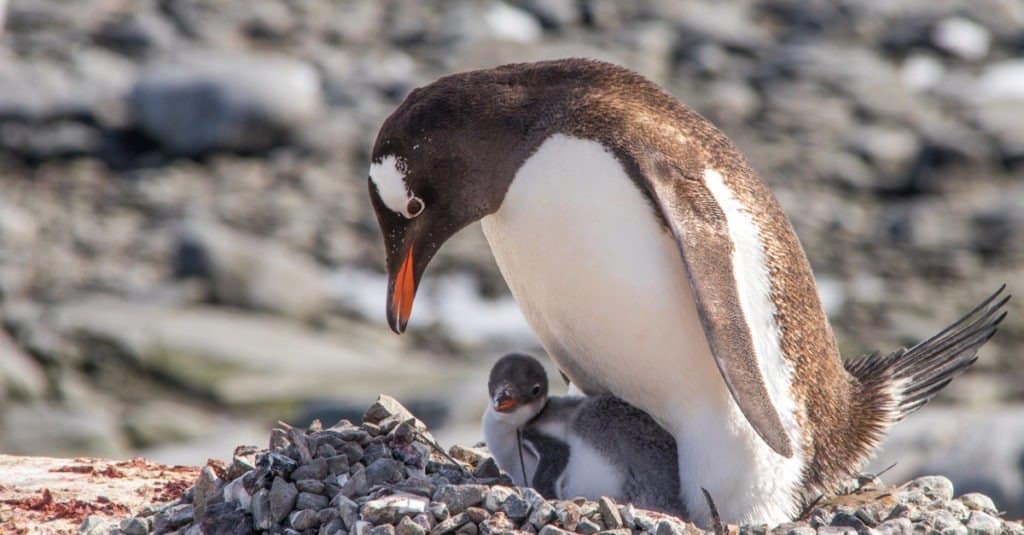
{"x":569,"y":446}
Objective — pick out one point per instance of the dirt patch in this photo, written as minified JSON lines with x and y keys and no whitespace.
{"x":76,"y":510}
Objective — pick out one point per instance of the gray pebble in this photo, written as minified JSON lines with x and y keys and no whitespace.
{"x":980,"y":523}
{"x":801,"y":530}
{"x":440,"y":511}
{"x":356,"y":485}
{"x":408,"y":527}
{"x":384,"y":471}
{"x":938,"y":487}
{"x":304,"y":519}
{"x":836,"y":530}
{"x":588,"y":526}
{"x":609,"y":512}
{"x":386,"y":529}
{"x":348,"y":510}
{"x":459,"y":497}
{"x":389,"y":509}
{"x":314,"y":486}
{"x":262,"y":518}
{"x":315,"y":469}
{"x":308,"y":500}
{"x":552,"y":530}
{"x":135,"y":526}
{"x":282,"y":499}
{"x":451,"y":524}
{"x":976,"y":501}
{"x":337,"y":464}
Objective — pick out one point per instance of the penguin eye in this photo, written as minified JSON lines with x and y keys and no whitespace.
{"x":535,"y":390}
{"x":414,"y":207}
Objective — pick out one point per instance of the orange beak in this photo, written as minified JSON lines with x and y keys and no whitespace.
{"x":506,"y":404}
{"x":404,"y":293}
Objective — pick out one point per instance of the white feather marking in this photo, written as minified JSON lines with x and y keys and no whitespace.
{"x":753,"y":285}
{"x":389,"y":177}
{"x":500,"y":436}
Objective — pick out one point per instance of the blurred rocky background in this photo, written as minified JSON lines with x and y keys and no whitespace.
{"x":187,"y":252}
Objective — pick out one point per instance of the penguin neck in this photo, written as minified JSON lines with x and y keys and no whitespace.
{"x":502,"y":435}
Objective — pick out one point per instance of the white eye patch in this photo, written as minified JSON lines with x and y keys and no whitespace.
{"x":389,"y":179}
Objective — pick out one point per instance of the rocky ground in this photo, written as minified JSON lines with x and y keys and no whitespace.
{"x":387,"y":476}
{"x":187,"y":253}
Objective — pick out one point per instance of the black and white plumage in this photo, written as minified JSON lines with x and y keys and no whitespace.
{"x":572,"y":446}
{"x":652,"y":263}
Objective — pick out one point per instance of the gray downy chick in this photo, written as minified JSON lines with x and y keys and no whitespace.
{"x":569,"y":446}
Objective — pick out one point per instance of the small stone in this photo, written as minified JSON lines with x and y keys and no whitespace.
{"x":237,"y":494}
{"x":552,"y":530}
{"x":282,"y":499}
{"x":93,"y":525}
{"x":977,"y":501}
{"x":207,"y":484}
{"x":477,"y":514}
{"x":348,"y":510}
{"x":332,"y":527}
{"x":384,"y":471}
{"x":497,"y":524}
{"x":304,"y":519}
{"x":487,"y":468}
{"x":439,"y":510}
{"x":308,"y":500}
{"x":609,"y":512}
{"x":620,"y":531}
{"x":262,"y":519}
{"x":836,"y":530}
{"x":588,"y":527}
{"x":424,"y":520}
{"x":508,"y":500}
{"x":356,"y":485}
{"x":390,"y":509}
{"x":408,"y":527}
{"x":896,"y":526}
{"x":451,"y":524}
{"x":353,"y":451}
{"x":361,"y":527}
{"x":628,"y":513}
{"x":643,"y":522}
{"x":315,"y":469}
{"x":173,"y":518}
{"x":459,"y":497}
{"x":980,"y":523}
{"x":543,"y":514}
{"x":568,"y":515}
{"x":337,"y":464}
{"x":468,"y":528}
{"x":937,"y":487}
{"x":472,"y":456}
{"x":314,"y":486}
{"x":134,"y":526}
{"x":843,"y":519}
{"x":801,"y":530}
{"x":386,"y":529}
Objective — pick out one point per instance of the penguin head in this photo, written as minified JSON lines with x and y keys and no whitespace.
{"x":518,"y":387}
{"x":442,"y":160}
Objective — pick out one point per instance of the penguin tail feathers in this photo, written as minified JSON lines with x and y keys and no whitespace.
{"x":912,"y":377}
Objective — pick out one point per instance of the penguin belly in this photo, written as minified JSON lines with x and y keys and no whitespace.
{"x":602,"y":284}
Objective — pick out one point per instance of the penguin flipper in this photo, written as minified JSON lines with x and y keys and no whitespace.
{"x":698,"y":223}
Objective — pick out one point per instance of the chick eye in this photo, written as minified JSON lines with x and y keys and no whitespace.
{"x":535,"y":390}
{"x":414,"y":207}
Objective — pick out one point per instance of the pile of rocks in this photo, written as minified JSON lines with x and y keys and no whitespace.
{"x":387,"y":476}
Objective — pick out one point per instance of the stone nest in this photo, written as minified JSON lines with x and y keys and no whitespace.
{"x":388,"y":476}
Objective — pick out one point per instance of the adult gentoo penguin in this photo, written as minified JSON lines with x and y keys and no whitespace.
{"x":569,"y":446}
{"x":651,"y":262}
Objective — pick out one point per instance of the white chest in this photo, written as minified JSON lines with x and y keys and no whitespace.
{"x":603,"y":286}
